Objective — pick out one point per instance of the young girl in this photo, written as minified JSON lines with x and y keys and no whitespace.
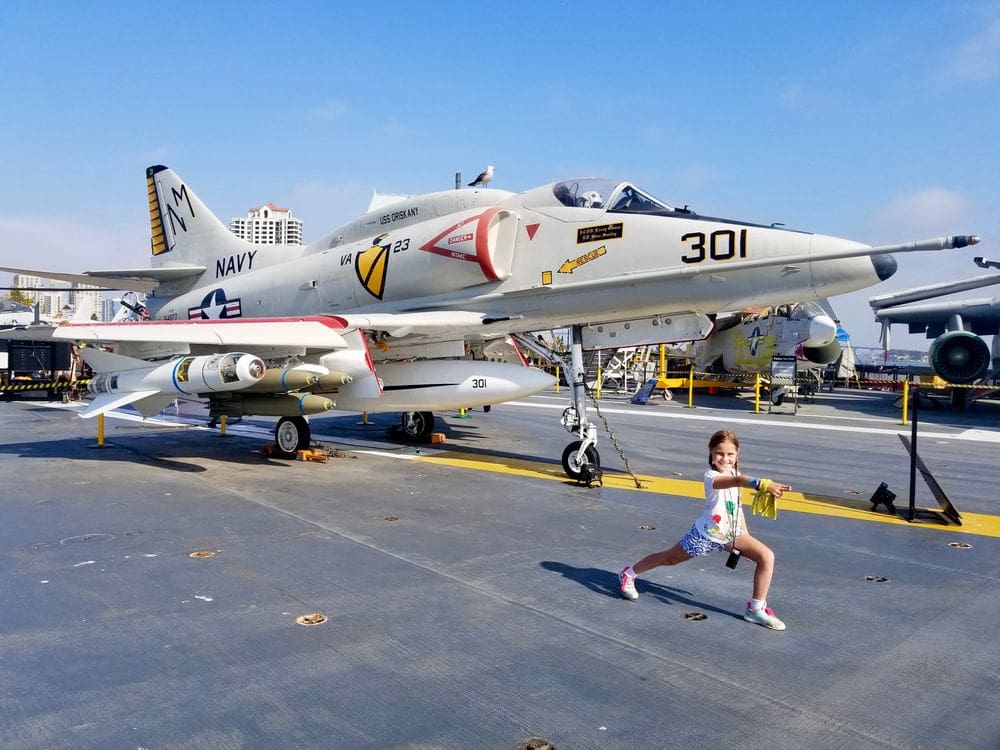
{"x":721,"y":526}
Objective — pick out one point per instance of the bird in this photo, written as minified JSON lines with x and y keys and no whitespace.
{"x":483,"y":178}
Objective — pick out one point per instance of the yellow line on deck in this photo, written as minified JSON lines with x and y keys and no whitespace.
{"x":794,"y":502}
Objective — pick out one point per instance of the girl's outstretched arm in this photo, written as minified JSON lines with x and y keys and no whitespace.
{"x":725,"y":481}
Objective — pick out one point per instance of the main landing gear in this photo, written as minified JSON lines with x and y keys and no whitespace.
{"x":417,"y":426}
{"x":580,"y":459}
{"x":292,"y":434}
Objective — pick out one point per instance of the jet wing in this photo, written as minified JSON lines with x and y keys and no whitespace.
{"x":313,"y":332}
{"x":316,"y":332}
{"x":981,"y":316}
{"x":309,"y":332}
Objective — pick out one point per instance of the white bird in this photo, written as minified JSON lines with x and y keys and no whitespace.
{"x":483,"y":178}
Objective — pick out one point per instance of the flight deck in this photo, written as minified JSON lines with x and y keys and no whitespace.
{"x":159,"y":588}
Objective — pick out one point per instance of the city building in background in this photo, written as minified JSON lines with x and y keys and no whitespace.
{"x":268,"y":225}
{"x":27,"y":284}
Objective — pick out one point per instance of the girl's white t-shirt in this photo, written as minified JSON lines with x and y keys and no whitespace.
{"x":722,"y":510}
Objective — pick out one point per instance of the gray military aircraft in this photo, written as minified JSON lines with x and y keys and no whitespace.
{"x":395,"y":310}
{"x":746,"y":342}
{"x":957,"y":354}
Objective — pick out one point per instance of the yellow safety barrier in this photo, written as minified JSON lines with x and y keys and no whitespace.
{"x":36,"y":385}
{"x":690,"y":381}
{"x":939,"y":384}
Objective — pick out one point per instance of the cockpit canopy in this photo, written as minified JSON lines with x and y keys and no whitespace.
{"x":614,"y":196}
{"x":805,"y":310}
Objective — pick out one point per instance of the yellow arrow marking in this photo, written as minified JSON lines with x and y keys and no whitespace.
{"x":570,"y":265}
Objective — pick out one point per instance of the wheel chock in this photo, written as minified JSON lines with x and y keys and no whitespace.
{"x":436,"y":437}
{"x":312,"y":455}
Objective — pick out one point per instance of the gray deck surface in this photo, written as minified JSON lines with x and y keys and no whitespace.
{"x":476,"y":607}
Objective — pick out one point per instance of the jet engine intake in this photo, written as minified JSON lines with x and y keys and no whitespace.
{"x":960,"y":357}
{"x":822,"y":355}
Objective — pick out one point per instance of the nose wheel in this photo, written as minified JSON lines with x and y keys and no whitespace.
{"x":586,"y":468}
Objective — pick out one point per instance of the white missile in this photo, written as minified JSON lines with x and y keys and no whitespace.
{"x":445,"y":384}
{"x":120,"y":380}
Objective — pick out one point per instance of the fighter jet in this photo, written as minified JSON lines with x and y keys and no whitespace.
{"x":395,"y":310}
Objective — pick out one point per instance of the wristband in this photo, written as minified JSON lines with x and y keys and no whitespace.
{"x":754,"y":482}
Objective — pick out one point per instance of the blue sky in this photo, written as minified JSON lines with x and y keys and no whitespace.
{"x":873,"y":121}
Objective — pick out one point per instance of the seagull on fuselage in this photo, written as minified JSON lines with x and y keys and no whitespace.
{"x":483,"y":178}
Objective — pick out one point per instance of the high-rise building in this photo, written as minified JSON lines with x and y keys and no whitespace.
{"x":110,"y":307}
{"x":27,"y":283}
{"x":54,"y":300}
{"x":268,"y":225}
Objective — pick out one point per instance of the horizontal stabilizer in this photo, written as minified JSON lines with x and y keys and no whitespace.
{"x":143,"y":280}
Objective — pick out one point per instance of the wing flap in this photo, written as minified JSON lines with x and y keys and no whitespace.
{"x":420,"y":323}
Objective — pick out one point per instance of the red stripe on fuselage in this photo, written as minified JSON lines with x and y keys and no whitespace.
{"x":330,"y":321}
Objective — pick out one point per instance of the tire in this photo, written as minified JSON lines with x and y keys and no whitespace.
{"x":586,"y":471}
{"x":292,"y":434}
{"x":417,"y":425}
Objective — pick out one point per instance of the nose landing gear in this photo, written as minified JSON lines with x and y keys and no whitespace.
{"x":583,"y":466}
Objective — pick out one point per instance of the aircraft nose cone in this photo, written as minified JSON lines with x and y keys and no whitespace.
{"x":885,"y":266}
{"x":822,"y":330}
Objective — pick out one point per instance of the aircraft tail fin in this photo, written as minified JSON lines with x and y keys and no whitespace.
{"x":106,"y":402}
{"x":184,"y":230}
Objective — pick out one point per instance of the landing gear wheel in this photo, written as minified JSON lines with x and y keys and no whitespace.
{"x":417,"y":425}
{"x":292,"y":434}
{"x":584,"y":472}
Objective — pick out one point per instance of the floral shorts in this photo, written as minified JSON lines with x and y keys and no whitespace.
{"x":697,"y":544}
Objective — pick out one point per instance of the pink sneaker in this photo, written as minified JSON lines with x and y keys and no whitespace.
{"x":765,"y":616}
{"x":628,"y":585}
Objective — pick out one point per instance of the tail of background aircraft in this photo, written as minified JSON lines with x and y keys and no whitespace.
{"x":184,"y":231}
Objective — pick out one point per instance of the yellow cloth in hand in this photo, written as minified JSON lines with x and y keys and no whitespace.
{"x":763,"y":501}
